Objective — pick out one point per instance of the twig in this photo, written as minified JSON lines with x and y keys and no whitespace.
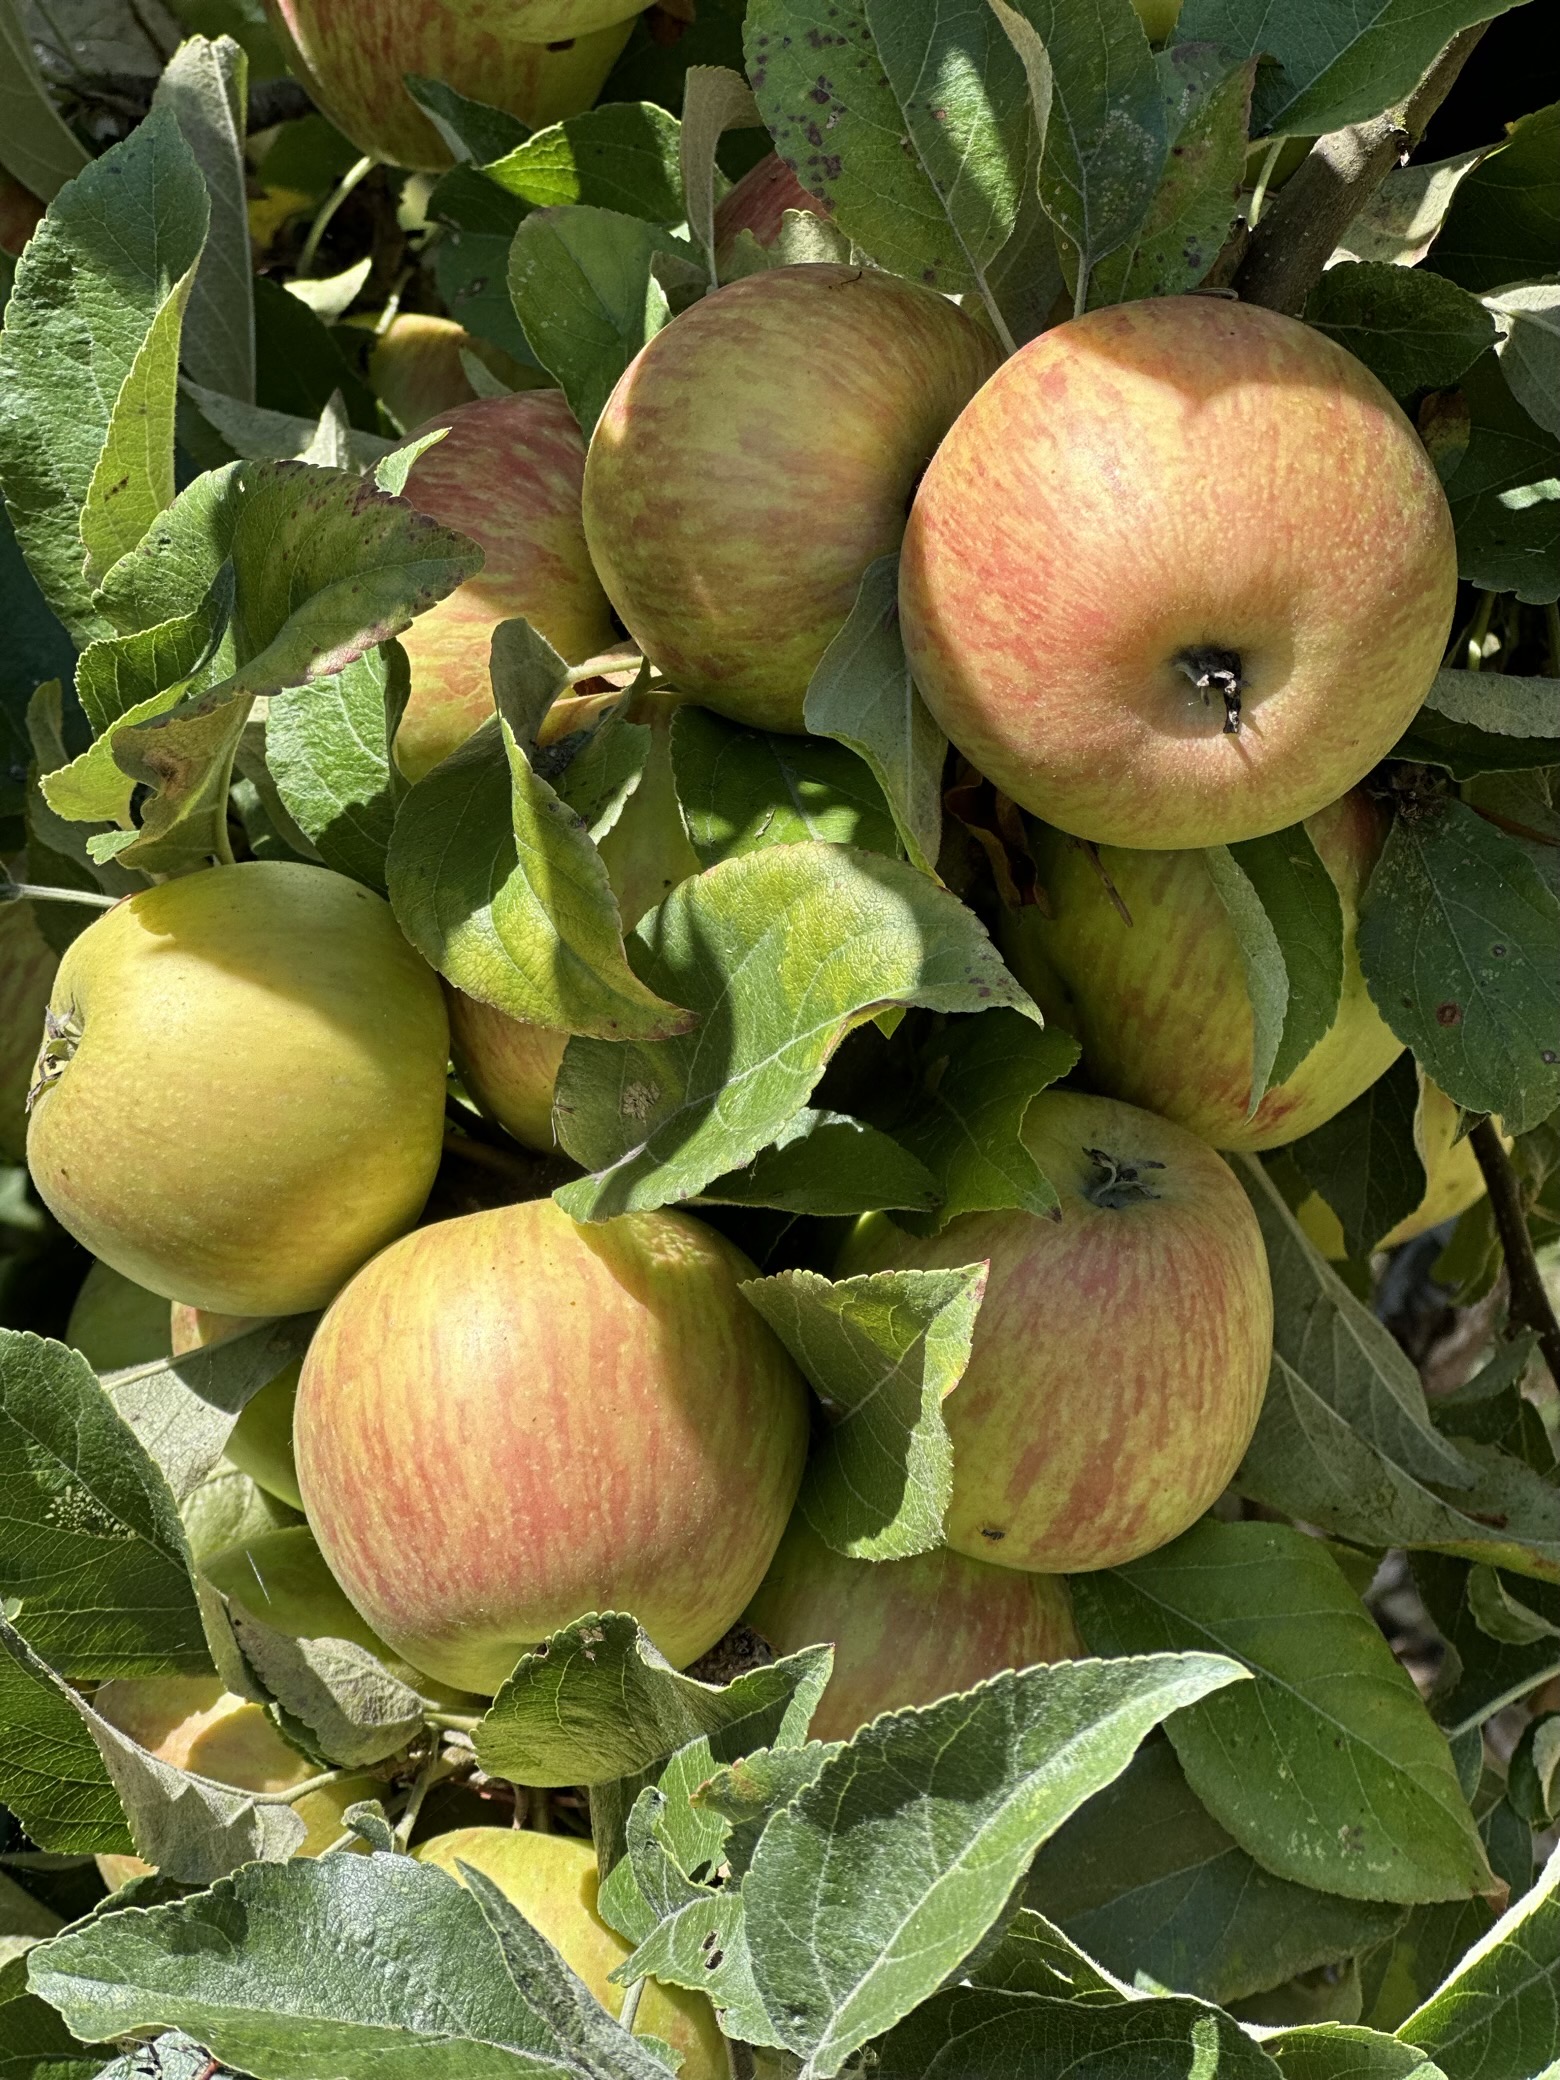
{"x":34,"y":892}
{"x":1529,"y":1300}
{"x":1291,"y":245}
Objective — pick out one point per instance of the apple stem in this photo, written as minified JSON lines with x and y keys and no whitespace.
{"x":1259,"y":192}
{"x":433,"y":1768}
{"x":1530,"y":1305}
{"x":354,"y":177}
{"x":630,"y":2007}
{"x":452,"y":1722}
{"x":34,"y":892}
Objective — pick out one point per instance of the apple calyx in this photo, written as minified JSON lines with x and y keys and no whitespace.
{"x":1211,"y":670}
{"x":1116,"y":1182}
{"x":61,"y":1037}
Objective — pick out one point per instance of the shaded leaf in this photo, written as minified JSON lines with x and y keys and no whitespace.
{"x":1364,"y":1161}
{"x":51,"y":1774}
{"x":741,"y":788}
{"x":622,"y":156}
{"x":826,"y":1163}
{"x":584,"y":289}
{"x":1416,"y":331}
{"x":205,"y":87}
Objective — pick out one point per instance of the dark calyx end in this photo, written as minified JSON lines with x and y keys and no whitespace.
{"x":1215,"y":672}
{"x":1114,"y":1181}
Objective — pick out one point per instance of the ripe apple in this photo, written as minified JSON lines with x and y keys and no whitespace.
{"x":758,"y":203}
{"x":260,"y":1442}
{"x":552,"y":1879}
{"x":416,"y":369}
{"x":508,"y":473}
{"x":906,"y":1631}
{"x":755,"y":457}
{"x":244,"y":1086}
{"x":1161,"y":1004}
{"x":193,"y":1723}
{"x":507,"y":1420}
{"x":114,"y":1322}
{"x":540,"y":60}
{"x":1180,"y":575}
{"x":1121,"y":1352}
{"x":1454,"y":1181}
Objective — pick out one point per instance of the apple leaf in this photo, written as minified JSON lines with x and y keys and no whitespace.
{"x":1416,"y":331}
{"x":741,"y":788}
{"x":1403,"y":216}
{"x":355,"y":1710}
{"x":622,"y":156}
{"x":863,"y":696}
{"x":881,"y":1877}
{"x":34,"y":2042}
{"x":827,"y":1164}
{"x":1529,"y":315}
{"x":715,"y":100}
{"x":748,"y":1793}
{"x":1498,"y":703}
{"x":583,"y":285}
{"x":1326,"y":1769}
{"x":257,"y":434}
{"x":1465,"y":753}
{"x":93,"y":1564}
{"x":40,"y":149}
{"x":402,"y":1964}
{"x":1346,"y":2051}
{"x":89,"y":360}
{"x":978,"y":2033}
{"x":51,"y":1774}
{"x":882,"y":1352}
{"x":1459,"y":939}
{"x":1033,"y":1955}
{"x":173,"y":2056}
{"x":598,"y":1701}
{"x":121,"y":676}
{"x":474,"y":131}
{"x":1500,"y":227}
{"x":1507,"y":517}
{"x":1364,"y":1162}
{"x":1496,"y":2013}
{"x":327,"y":747}
{"x":703,"y":1945}
{"x":205,"y":86}
{"x":780,"y":952}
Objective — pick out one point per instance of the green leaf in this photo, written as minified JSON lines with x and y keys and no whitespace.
{"x":327,"y":745}
{"x":1497,"y":702}
{"x":584,"y":289}
{"x":780,"y":952}
{"x":882,"y":1876}
{"x":51,"y":1774}
{"x":36,"y":145}
{"x":1459,"y":939}
{"x":1335,"y":62}
{"x":863,"y":696}
{"x":598,"y":1701}
{"x":1530,"y":350}
{"x":1346,"y":2051}
{"x":85,"y":363}
{"x":1502,"y":494}
{"x":1504,"y":221}
{"x":883,"y":1352}
{"x":1495,"y":2015}
{"x":1415,"y":331}
{"x":826,"y":1163}
{"x":1403,"y":216}
{"x":715,"y":100}
{"x":622,"y":156}
{"x":258,"y":435}
{"x":975,"y":2033}
{"x":92,"y":1558}
{"x":1466,"y":753}
{"x":355,"y":1710}
{"x":1326,"y":1769}
{"x":323,"y":1965}
{"x":1364,"y":1162}
{"x":740,"y":789}
{"x":205,"y":87}
{"x":474,"y":132}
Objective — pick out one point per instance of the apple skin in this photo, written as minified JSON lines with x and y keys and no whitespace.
{"x":1175,"y":474}
{"x":508,"y":1419}
{"x":540,"y":60}
{"x":1121,"y":1353}
{"x":508,"y":474}
{"x":256,"y":1101}
{"x":1161,"y":1005}
{"x":416,"y":369}
{"x":260,"y":1442}
{"x":552,"y":1879}
{"x":755,"y":457}
{"x":758,"y":203}
{"x":115,"y":1323}
{"x":905,"y":1632}
{"x":1454,"y":1181}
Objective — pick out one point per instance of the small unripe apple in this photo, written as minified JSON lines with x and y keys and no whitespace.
{"x":1121,"y":1352}
{"x":416,"y":368}
{"x":905,"y":1632}
{"x":1454,"y":1181}
{"x":243,"y":1086}
{"x":552,"y":1879}
{"x":509,"y":1419}
{"x":260,"y":1442}
{"x":115,"y":1323}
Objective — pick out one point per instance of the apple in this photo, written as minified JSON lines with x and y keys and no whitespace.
{"x":243,"y":1086}
{"x":758,"y":203}
{"x":416,"y":367}
{"x":1454,"y":1181}
{"x":508,"y":1419}
{"x":20,"y":210}
{"x":540,"y":60}
{"x":508,"y":474}
{"x":260,"y":1442}
{"x":1121,"y":1352}
{"x":1180,"y":575}
{"x":193,"y":1723}
{"x":755,"y":457}
{"x":227,"y":1509}
{"x":552,"y":1879}
{"x":905,"y":1632}
{"x":114,"y":1322}
{"x":1161,"y":1004}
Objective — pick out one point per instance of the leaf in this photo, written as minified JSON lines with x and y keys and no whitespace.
{"x":1364,"y":1162}
{"x":1346,"y":2051}
{"x":584,"y":290}
{"x":882,"y":1352}
{"x":205,"y":87}
{"x":882,"y":1876}
{"x":597,"y":1701}
{"x":1334,"y":63}
{"x":1530,"y":350}
{"x":622,"y":156}
{"x":715,"y":100}
{"x":356,"y":1711}
{"x":472,"y":130}
{"x":780,"y":952}
{"x":1467,"y":753}
{"x":51,"y":1774}
{"x":1495,"y":2015}
{"x":40,"y":149}
{"x":826,"y":1163}
{"x":1403,"y":216}
{"x":863,"y":696}
{"x":324,"y":1965}
{"x":1416,"y":331}
{"x":740,"y":789}
{"x":259,"y":435}
{"x":327,"y":745}
{"x":974,"y":2033}
{"x":1497,"y":702}
{"x":1326,"y":1769}
{"x":1502,"y":494}
{"x":1459,"y":939}
{"x":1504,"y":221}
{"x":92,"y":1559}
{"x":113,"y":255}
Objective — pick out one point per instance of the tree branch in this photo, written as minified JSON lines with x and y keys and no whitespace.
{"x":1530,"y":1306}
{"x":1300,"y":230}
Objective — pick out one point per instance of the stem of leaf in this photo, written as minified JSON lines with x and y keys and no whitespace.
{"x":1259,"y":192}
{"x":630,"y":2007}
{"x":999,"y":323}
{"x":353,"y":178}
{"x":1530,"y":1307}
{"x":453,"y":1722}
{"x":1081,"y":293}
{"x":1474,"y":659}
{"x":33,"y":892}
{"x":294,"y":1792}
{"x":433,"y":1768}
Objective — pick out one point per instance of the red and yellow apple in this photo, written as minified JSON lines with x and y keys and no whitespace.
{"x":755,"y":457}
{"x":552,"y":1879}
{"x":243,"y":1086}
{"x":1121,"y":1352}
{"x":1180,"y":575}
{"x":758,"y":203}
{"x":1454,"y":1181}
{"x":1161,"y":1004}
{"x":905,"y":1632}
{"x":417,"y":371}
{"x":260,"y":1442}
{"x":509,"y":1419}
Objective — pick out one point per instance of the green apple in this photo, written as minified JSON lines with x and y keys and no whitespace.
{"x":905,"y":1632}
{"x":260,"y":1442}
{"x":1180,"y":575}
{"x":509,"y":1419}
{"x":755,"y":457}
{"x":552,"y":1879}
{"x":242,"y":1086}
{"x":1161,"y":1004}
{"x":115,"y":1323}
{"x":1121,"y":1351}
{"x":1454,"y":1181}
